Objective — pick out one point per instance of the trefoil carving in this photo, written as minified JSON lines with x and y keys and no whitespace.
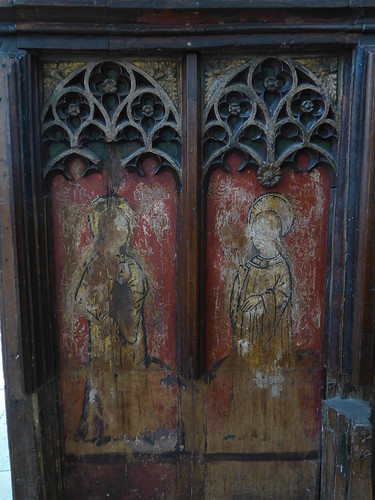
{"x":104,"y":102}
{"x":275,"y":113}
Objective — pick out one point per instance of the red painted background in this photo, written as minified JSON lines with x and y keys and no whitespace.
{"x":155,"y":202}
{"x":229,"y":198}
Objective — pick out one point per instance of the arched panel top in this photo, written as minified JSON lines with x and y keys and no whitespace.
{"x":109,"y":101}
{"x":274,"y":112}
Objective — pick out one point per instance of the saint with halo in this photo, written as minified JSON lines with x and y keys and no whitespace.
{"x":261,"y":298}
{"x":111,"y":293}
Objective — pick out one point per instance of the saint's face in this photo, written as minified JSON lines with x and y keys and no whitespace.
{"x":121,"y":224}
{"x":264,"y":233}
{"x":114,"y":231}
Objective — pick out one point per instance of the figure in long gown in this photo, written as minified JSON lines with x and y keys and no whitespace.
{"x":111,"y":294}
{"x":261,"y":298}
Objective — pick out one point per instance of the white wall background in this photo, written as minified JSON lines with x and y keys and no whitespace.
{"x":5,"y":478}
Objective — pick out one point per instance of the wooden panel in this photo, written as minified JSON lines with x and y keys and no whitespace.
{"x":19,"y":408}
{"x":83,"y":317}
{"x":257,"y":480}
{"x":120,"y":479}
{"x":266,"y":237}
{"x":115,"y":232}
{"x":229,"y":201}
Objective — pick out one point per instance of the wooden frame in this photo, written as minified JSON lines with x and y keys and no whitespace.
{"x":31,"y":366}
{"x":363,"y":338}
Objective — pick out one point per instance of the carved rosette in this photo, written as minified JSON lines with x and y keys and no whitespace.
{"x":274,"y":112}
{"x":110,"y":102}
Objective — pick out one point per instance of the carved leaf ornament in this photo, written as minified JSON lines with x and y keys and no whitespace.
{"x":108,"y":102}
{"x":275,"y":113}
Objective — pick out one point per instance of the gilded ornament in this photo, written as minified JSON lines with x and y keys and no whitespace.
{"x":56,"y":72}
{"x":166,"y":73}
{"x":234,"y":109}
{"x":148,"y":110}
{"x":216,"y":72}
{"x":326,"y":70}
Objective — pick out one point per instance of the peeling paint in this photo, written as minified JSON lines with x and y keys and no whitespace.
{"x":155,"y":442}
{"x":273,"y":380}
{"x":122,"y":387}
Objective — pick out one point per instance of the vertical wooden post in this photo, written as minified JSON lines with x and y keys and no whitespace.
{"x":363,"y":353}
{"x":190,"y":356}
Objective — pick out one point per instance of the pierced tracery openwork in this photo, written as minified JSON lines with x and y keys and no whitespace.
{"x":108,"y":102}
{"x":275,"y":113}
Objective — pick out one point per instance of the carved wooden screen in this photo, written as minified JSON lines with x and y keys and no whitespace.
{"x":270,"y":132}
{"x":108,"y":128}
{"x":121,"y":154}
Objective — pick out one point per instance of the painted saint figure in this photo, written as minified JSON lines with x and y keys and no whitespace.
{"x":111,"y":295}
{"x":261,"y":298}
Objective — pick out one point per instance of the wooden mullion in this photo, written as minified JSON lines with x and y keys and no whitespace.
{"x":364,"y":315}
{"x":44,"y":356}
{"x":24,"y":236}
{"x":190,"y":342}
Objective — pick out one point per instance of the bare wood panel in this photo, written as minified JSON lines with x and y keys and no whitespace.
{"x":261,"y":480}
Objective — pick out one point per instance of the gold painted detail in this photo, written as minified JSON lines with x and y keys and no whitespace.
{"x":216,"y":71}
{"x":326,"y":70}
{"x":54,"y":73}
{"x":261,"y":297}
{"x":166,"y":73}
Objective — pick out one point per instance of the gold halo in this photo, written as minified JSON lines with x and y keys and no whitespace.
{"x":276,"y":203}
{"x":114,"y":203}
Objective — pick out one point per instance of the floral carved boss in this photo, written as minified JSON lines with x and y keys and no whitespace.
{"x":275,"y":113}
{"x":105,"y":102}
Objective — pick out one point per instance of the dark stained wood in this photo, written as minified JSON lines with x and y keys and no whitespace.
{"x":180,"y":4}
{"x":347,"y":449}
{"x":33,"y":412}
{"x":33,"y":421}
{"x":191,"y":248}
{"x":111,"y":19}
{"x":38,"y":344}
{"x":44,"y":360}
{"x":336,"y":265}
{"x":45,"y":269}
{"x":19,"y":407}
{"x":23,"y":262}
{"x":179,"y":7}
{"x":200,"y":21}
{"x":364,"y":325}
{"x":304,"y":40}
{"x":354,"y":137}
